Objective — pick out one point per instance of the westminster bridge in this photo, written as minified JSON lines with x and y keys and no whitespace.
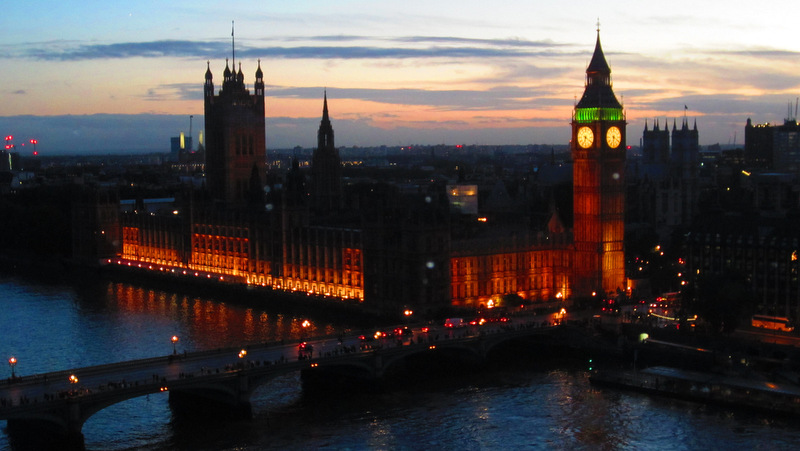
{"x":57,"y":404}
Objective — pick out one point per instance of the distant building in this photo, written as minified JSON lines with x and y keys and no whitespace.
{"x":772,"y":146}
{"x":758,"y":145}
{"x":786,"y":146}
{"x":179,"y":146}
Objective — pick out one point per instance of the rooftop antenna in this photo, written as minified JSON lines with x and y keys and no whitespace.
{"x":233,"y":48}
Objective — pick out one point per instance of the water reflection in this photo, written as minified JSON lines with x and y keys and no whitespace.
{"x":206,"y":323}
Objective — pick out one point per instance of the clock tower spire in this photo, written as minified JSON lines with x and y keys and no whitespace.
{"x":598,"y":154}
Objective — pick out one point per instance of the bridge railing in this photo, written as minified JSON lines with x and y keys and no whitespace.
{"x":107,"y":367}
{"x":115,"y":366}
{"x":137,"y":387}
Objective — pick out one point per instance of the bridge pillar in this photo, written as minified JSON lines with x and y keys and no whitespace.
{"x":230,"y":399}
{"x":65,"y":435}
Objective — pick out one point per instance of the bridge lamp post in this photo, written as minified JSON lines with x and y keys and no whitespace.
{"x":174,"y":343}
{"x":12,"y":362}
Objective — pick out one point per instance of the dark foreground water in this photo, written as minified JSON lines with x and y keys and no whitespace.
{"x":56,"y":326}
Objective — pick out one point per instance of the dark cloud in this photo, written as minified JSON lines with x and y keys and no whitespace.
{"x":762,"y":53}
{"x":719,"y":70}
{"x":478,"y":48}
{"x":153,"y":49}
{"x":453,"y":40}
{"x":508,"y":42}
{"x":19,"y":92}
{"x":367,"y":52}
{"x":500,"y":98}
{"x":720,"y":118}
{"x":763,"y":108}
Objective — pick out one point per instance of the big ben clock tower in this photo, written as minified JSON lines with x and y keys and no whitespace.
{"x":598,"y":155}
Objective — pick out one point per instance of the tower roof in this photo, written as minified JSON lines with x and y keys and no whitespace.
{"x":598,"y":62}
{"x":598,"y":92}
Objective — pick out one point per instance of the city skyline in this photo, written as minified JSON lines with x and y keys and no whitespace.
{"x":103,"y":78}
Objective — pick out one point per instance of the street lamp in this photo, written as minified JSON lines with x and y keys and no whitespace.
{"x":73,"y":379}
{"x":242,"y":353}
{"x":174,"y":342}
{"x":12,"y":362}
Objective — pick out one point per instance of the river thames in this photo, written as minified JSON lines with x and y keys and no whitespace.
{"x":57,"y":326}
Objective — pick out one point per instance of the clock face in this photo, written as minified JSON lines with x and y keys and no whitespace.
{"x":613,"y":137}
{"x":585,"y":137}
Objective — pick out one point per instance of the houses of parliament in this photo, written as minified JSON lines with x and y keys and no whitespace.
{"x":371,"y":243}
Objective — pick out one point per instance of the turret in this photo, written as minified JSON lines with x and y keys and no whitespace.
{"x":259,"y":85}
{"x":208,"y":88}
{"x":226,"y":75}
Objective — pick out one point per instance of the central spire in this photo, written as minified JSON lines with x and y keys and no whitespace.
{"x":325,"y":107}
{"x":325,"y":132}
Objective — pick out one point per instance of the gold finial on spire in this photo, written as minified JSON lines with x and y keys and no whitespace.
{"x":598,"y":25}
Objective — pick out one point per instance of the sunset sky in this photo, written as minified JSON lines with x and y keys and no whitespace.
{"x":101,"y":76}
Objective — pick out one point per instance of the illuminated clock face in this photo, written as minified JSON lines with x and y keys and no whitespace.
{"x":613,"y":137}
{"x":585,"y":137}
